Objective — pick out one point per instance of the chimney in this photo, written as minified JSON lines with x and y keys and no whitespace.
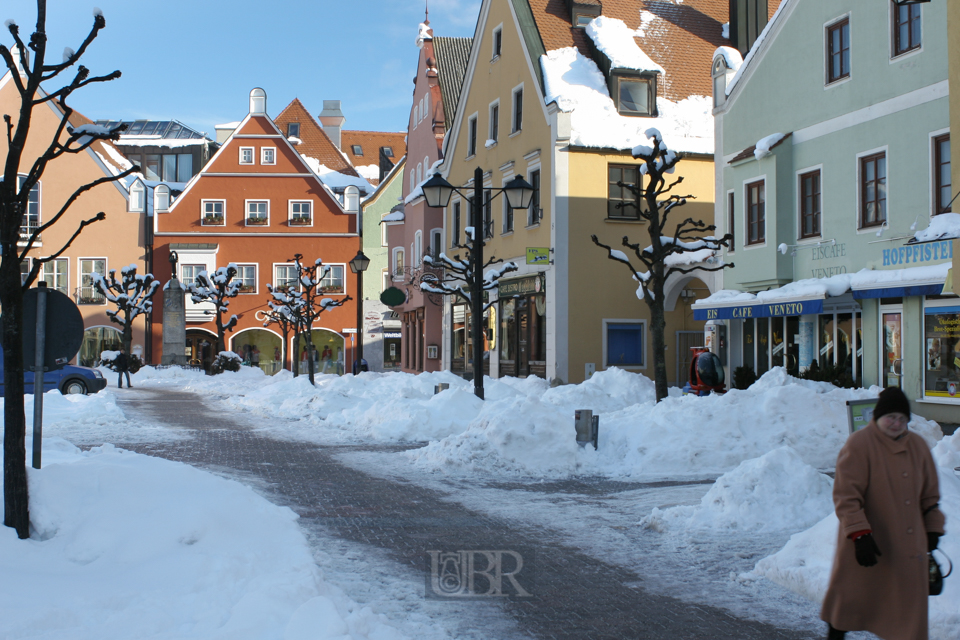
{"x":747,"y":20}
{"x":258,"y":102}
{"x":332,"y":120}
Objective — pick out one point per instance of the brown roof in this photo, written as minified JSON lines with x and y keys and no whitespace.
{"x":315,"y":142}
{"x":370,"y":143}
{"x":681,"y":40}
{"x":748,"y":152}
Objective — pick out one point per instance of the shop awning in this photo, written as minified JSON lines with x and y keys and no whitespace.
{"x":899,"y":292}
{"x":901,"y":283}
{"x":757,"y":309}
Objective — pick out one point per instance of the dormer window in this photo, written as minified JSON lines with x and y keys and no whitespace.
{"x":136,"y":198}
{"x":581,"y":20}
{"x":161,"y":198}
{"x":635,"y":96}
{"x":293,"y":130}
{"x":356,"y":149}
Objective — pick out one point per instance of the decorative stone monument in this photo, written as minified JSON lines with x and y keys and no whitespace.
{"x":174,"y":319}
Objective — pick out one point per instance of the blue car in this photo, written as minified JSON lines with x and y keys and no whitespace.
{"x":69,"y":379}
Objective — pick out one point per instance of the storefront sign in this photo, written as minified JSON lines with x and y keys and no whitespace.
{"x":828,"y":252}
{"x":912,"y":254}
{"x":538,"y":255}
{"x":774,"y":310}
{"x":391,"y":334}
{"x":942,"y":352}
{"x":521,"y":286}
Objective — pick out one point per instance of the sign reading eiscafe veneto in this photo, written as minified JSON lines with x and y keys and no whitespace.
{"x":772,"y":310}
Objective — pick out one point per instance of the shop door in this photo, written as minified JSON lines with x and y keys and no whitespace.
{"x":200,"y":346}
{"x":523,"y":336}
{"x":891,"y":363}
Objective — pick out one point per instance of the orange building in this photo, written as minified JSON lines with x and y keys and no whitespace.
{"x":257,"y":204}
{"x":120,"y":240}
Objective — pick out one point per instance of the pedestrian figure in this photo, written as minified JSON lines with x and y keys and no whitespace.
{"x":122,"y":363}
{"x":886,"y":495}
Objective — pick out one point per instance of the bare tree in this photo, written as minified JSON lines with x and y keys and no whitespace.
{"x":218,"y":289}
{"x":131,"y":294}
{"x":666,"y":255}
{"x":286,"y":312}
{"x":20,"y":175}
{"x":280,"y":315}
{"x":308,"y":303}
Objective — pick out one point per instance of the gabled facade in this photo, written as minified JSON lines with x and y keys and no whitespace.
{"x":120,"y":240}
{"x":545,"y":99}
{"x":830,"y":200}
{"x":256,"y":204}
{"x":440,"y":68}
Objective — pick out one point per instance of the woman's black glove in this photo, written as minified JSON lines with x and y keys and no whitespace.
{"x":866,"y":550}
{"x":933,"y":539}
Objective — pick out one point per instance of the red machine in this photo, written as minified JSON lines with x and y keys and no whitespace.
{"x":706,"y":373}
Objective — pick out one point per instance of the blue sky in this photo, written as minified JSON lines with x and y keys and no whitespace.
{"x":196,"y":61}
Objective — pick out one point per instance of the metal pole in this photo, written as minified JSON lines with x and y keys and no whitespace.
{"x":476,"y":297}
{"x":38,"y":371}
{"x":359,"y":318}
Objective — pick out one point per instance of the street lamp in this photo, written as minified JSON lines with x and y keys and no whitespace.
{"x":437,"y":193}
{"x":358,"y":265}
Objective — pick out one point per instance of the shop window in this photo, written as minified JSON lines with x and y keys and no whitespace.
{"x":941,"y":168}
{"x":621,"y":203}
{"x":873,"y":190}
{"x":941,"y":345}
{"x":810,"y":204}
{"x":624,"y":344}
{"x":756,"y":212}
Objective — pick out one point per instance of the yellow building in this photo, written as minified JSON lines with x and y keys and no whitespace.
{"x":561,"y":99}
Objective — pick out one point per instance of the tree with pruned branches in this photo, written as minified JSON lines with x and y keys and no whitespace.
{"x":304,"y":303}
{"x":683,"y":252}
{"x":131,"y":294}
{"x":281,"y":315}
{"x":29,"y":67}
{"x":218,"y":289}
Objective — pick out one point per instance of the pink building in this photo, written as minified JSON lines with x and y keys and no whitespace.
{"x":418,"y":230}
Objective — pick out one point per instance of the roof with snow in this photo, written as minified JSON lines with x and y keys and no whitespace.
{"x":314,"y":142}
{"x":453,"y":55}
{"x":370,"y":143}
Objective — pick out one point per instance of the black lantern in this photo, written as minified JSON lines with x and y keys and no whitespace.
{"x":437,"y":191}
{"x":519,"y":193}
{"x":359,"y":263}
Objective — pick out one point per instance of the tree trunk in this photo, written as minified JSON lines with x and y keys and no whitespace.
{"x":658,"y":326}
{"x":294,"y":362}
{"x":127,"y":333}
{"x":16,"y":512}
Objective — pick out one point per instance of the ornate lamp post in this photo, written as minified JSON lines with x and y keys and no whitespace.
{"x":437,"y":192}
{"x":358,"y":265}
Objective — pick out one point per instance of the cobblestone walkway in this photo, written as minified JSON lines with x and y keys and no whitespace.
{"x":573,"y":595}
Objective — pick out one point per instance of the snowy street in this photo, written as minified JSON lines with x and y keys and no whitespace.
{"x":248,"y":506}
{"x":387,"y":525}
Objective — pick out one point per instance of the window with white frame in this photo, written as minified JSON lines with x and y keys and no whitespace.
{"x":385,"y":280}
{"x":417,"y":248}
{"x":268,"y":155}
{"x":25,"y":265}
{"x":534,"y":211}
{"x":31,"y":217}
{"x":88,"y":267}
{"x":189,"y":272}
{"x":285,"y":277}
{"x":55,"y":274}
{"x":497,"y":42}
{"x":436,"y":242}
{"x":332,"y":282}
{"x":398,"y":263}
{"x":494,"y":130}
{"x":247,"y":277}
{"x":246,"y":155}
{"x":383,"y":230}
{"x":258,"y":212}
{"x":301,"y":212}
{"x":624,"y":343}
{"x":135,"y":203}
{"x":516,"y":122}
{"x":507,"y":223}
{"x":419,"y":173}
{"x":161,"y":198}
{"x":213,"y":213}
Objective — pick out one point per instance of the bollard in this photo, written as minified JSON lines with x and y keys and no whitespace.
{"x":443,"y":386}
{"x":588,"y":427}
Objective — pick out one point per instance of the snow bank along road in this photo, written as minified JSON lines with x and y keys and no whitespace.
{"x":572,"y":594}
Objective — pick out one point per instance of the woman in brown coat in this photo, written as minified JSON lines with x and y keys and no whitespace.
{"x":886,"y":494}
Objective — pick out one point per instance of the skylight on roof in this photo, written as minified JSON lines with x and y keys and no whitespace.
{"x":356,"y":149}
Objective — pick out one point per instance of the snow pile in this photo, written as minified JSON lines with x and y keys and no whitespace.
{"x":804,"y":563}
{"x":198,"y":542}
{"x":335,"y":179}
{"x":616,"y":40}
{"x":942,"y":227}
{"x":764,"y":145}
{"x":576,"y":84}
{"x":157,"y":141}
{"x":777,"y":491}
{"x":368,"y":171}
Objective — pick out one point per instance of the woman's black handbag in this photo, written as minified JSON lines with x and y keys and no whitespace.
{"x":936,"y":575}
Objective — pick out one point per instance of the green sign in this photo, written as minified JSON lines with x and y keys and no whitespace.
{"x":393,"y":297}
{"x":860,"y":412}
{"x":521,"y":286}
{"x":538,"y":255}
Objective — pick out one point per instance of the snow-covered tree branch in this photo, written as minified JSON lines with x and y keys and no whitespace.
{"x":218,"y":289}
{"x":456,"y":276}
{"x":131,"y":294}
{"x":691,"y":248}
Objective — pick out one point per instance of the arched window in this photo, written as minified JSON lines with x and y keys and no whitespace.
{"x":417,"y":248}
{"x":161,"y":199}
{"x":426,"y":167}
{"x":419,"y":173}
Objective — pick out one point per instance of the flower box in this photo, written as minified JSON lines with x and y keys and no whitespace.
{"x":213,"y":220}
{"x":247,"y":288}
{"x":300,"y":222}
{"x":257,"y":222}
